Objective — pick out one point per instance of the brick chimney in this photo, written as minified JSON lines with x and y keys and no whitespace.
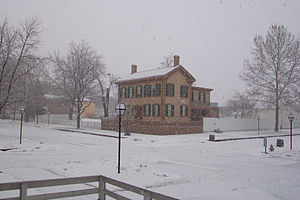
{"x":133,"y":69}
{"x":176,"y":60}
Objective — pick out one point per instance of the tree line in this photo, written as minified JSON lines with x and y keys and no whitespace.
{"x":25,"y":77}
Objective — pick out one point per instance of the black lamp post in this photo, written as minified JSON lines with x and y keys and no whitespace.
{"x":22,"y":113}
{"x":120,"y":109}
{"x":291,"y":118}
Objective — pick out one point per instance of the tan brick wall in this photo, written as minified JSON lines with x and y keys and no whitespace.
{"x":154,"y":128}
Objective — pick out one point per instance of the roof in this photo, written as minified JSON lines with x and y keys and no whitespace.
{"x":152,"y":73}
{"x":147,"y":74}
{"x":197,"y":85}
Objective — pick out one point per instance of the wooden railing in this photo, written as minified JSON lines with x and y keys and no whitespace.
{"x":100,"y":188}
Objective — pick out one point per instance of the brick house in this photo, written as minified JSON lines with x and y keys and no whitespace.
{"x":164,"y":101}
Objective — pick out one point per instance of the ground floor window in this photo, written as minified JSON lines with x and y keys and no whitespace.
{"x":169,"y":110}
{"x":156,"y":110}
{"x":147,"y":110}
{"x":184,"y":110}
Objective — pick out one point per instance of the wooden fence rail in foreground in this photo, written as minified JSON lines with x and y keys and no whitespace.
{"x":101,"y":189}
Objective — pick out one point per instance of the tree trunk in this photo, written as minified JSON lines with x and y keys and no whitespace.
{"x":276,"y":101}
{"x":78,"y":115}
{"x":71,"y":112}
{"x":105,"y":102}
{"x":276,"y":116}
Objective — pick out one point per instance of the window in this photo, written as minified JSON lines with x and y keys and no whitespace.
{"x":122,"y":93}
{"x":130,"y":92}
{"x":147,"y":110}
{"x":156,"y":110}
{"x":184,"y":111}
{"x":156,"y":90}
{"x":147,"y":90}
{"x":193,"y":95}
{"x":199,"y":97}
{"x":169,"y":110}
{"x":204,"y":97}
{"x":184,"y":91}
{"x":138,"y":91}
{"x":170,"y":89}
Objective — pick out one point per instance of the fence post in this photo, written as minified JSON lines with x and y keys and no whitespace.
{"x":101,"y":188}
{"x":147,"y":195}
{"x":23,"y":191}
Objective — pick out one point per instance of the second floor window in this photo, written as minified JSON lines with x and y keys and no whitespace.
{"x":139,"y":91}
{"x":156,"y":90}
{"x":184,"y":91}
{"x":130,"y":93}
{"x":200,"y":97}
{"x":169,"y":110}
{"x":204,"y":97}
{"x":123,"y":93}
{"x":147,"y":90}
{"x":170,"y":89}
{"x":147,"y":110}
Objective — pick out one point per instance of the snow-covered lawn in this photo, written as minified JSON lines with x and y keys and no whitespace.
{"x":182,"y":166}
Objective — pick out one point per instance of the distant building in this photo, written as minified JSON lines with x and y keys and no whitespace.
{"x":59,"y":105}
{"x":164,"y":101}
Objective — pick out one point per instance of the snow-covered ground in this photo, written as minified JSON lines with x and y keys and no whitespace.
{"x":182,"y":166}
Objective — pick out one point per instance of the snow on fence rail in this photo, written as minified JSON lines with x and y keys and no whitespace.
{"x":62,"y":119}
{"x":99,"y":189}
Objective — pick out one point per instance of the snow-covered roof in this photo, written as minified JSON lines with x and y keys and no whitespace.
{"x":195,"y":84}
{"x":148,"y":74}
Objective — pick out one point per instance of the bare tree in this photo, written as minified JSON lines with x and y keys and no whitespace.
{"x":240,"y":106}
{"x":105,"y":83}
{"x":167,"y":61}
{"x":274,"y":70}
{"x":75,"y":74}
{"x":16,"y":46}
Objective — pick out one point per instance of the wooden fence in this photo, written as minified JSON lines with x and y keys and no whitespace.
{"x":100,"y":188}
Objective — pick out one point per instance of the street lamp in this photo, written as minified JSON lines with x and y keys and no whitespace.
{"x":22,"y":113}
{"x":291,"y":118}
{"x":120,"y":110}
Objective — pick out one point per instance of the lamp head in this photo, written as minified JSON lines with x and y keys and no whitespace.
{"x":120,"y":108}
{"x":291,"y":117}
{"x":22,"y":110}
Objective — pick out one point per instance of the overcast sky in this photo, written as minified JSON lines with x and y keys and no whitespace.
{"x":212,"y":37}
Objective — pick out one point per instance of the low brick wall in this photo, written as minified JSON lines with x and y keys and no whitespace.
{"x":154,"y":128}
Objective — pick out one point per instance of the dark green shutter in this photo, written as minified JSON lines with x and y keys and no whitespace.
{"x":186,"y":111}
{"x":158,"y":89}
{"x":166,"y":109}
{"x":192,"y":95}
{"x":121,"y":93}
{"x":132,"y":92}
{"x":167,"y":89}
{"x":181,"y":110}
{"x":158,"y":109}
{"x":145,"y":91}
{"x":181,"y":88}
{"x":172,"y":110}
{"x":153,"y":109}
{"x":173,"y":90}
{"x":187,"y":91}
